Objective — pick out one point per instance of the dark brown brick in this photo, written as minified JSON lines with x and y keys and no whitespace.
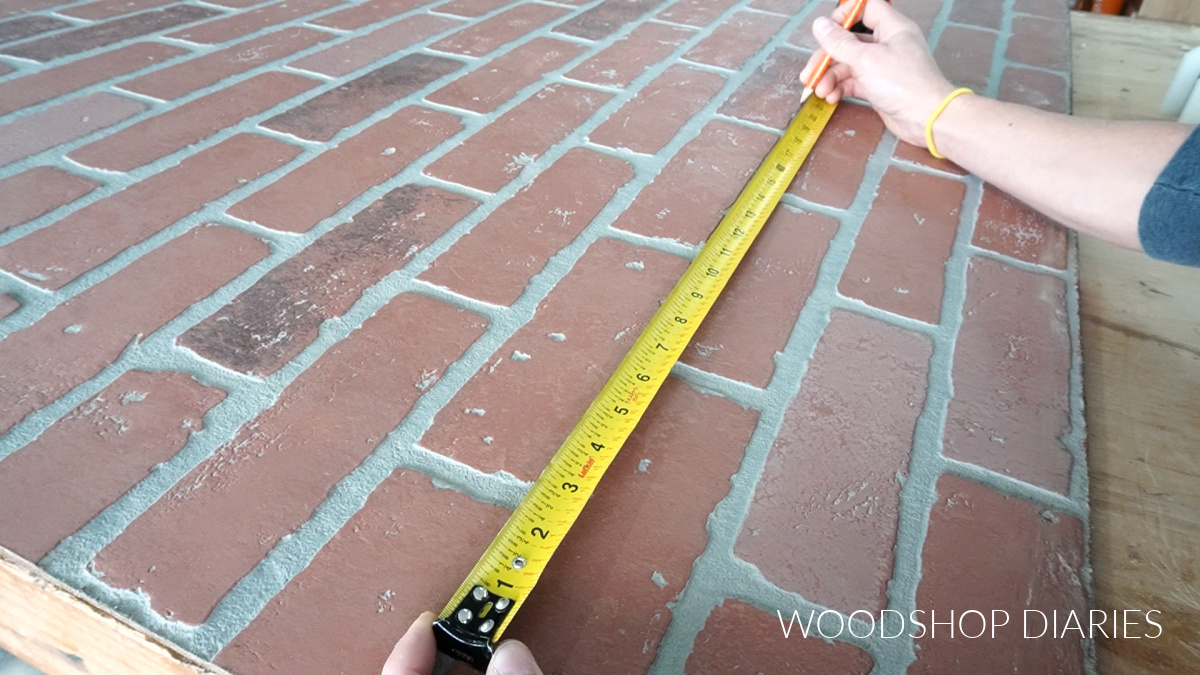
{"x":225,"y":515}
{"x":28,"y":26}
{"x":270,"y":322}
{"x":316,"y":190}
{"x":1007,"y":226}
{"x":346,"y":57}
{"x":606,"y":18}
{"x":366,"y":13}
{"x":322,"y":117}
{"x":64,"y":122}
{"x":191,"y":122}
{"x":629,"y":57}
{"x":47,"y":84}
{"x":85,"y":461}
{"x":652,"y":118}
{"x":107,"y":9}
{"x":899,"y":260}
{"x":1044,"y":43}
{"x":965,"y":55}
{"x":494,"y":156}
{"x":39,"y":190}
{"x":735,"y":40}
{"x":824,"y":516}
{"x":1036,"y":88}
{"x":1012,"y":363}
{"x":87,"y":238}
{"x":474,"y":8}
{"x":834,"y":171}
{"x":485,"y":88}
{"x":17,"y":7}
{"x":41,"y":363}
{"x":497,"y":258}
{"x":108,"y":32}
{"x":697,"y":13}
{"x":204,"y":71}
{"x":244,"y":23}
{"x":982,"y":13}
{"x":489,"y":34}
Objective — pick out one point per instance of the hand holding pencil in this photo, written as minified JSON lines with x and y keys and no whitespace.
{"x":851,"y":18}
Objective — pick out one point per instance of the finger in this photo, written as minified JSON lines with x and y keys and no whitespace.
{"x":811,"y":65}
{"x":513,"y":658}
{"x":416,"y":652}
{"x":837,"y":41}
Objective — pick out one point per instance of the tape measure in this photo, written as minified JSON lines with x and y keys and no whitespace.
{"x":482,"y":607}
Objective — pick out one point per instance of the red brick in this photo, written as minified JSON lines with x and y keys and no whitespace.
{"x":108,"y":32}
{"x":652,"y":118}
{"x":17,"y":7}
{"x":986,"y":552}
{"x":184,"y":78}
{"x":629,"y":57}
{"x":787,"y":8}
{"x":982,"y":13}
{"x":8,"y":305}
{"x":485,"y":88}
{"x":107,"y":9}
{"x":489,"y":34}
{"x":606,"y":18}
{"x":824,"y":516}
{"x":803,"y":36}
{"x":1036,"y":88}
{"x":965,"y":56}
{"x":494,"y":156}
{"x":835,"y":169}
{"x":735,"y":40}
{"x":475,"y":8}
{"x":41,"y":363}
{"x":1051,"y":9}
{"x":5,"y":69}
{"x":191,"y":122}
{"x":899,"y":260}
{"x":697,"y":13}
{"x":688,"y":198}
{"x":47,"y":84}
{"x":226,"y":514}
{"x":369,"y":582}
{"x":497,"y":258}
{"x":321,"y":118}
{"x":562,"y":374}
{"x":771,"y":95}
{"x":38,"y":191}
{"x":87,"y":238}
{"x":365,"y":14}
{"x":316,"y":190}
{"x":919,"y":154}
{"x":347,"y":57}
{"x":754,"y":316}
{"x":738,"y":636}
{"x":1007,"y":226}
{"x":1012,"y":366}
{"x":64,"y":122}
{"x":237,"y":4}
{"x":28,"y":26}
{"x":1044,"y":43}
{"x":647,"y":516}
{"x":244,"y":23}
{"x":922,"y":12}
{"x":270,"y":322}
{"x":85,"y":461}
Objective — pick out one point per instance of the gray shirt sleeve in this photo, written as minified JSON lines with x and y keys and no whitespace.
{"x":1169,"y":223}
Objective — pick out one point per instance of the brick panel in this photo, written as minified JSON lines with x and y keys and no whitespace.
{"x":739,"y":637}
{"x":270,"y":322}
{"x":606,"y":18}
{"x":824,"y":516}
{"x":1040,"y":42}
{"x":1036,"y":88}
{"x":965,"y":56}
{"x":1051,"y":9}
{"x":17,"y":7}
{"x":735,"y":40}
{"x":405,"y":552}
{"x":771,"y":95}
{"x":922,"y":12}
{"x":8,"y":305}
{"x":1030,"y":559}
{"x":982,"y":13}
{"x":244,"y":23}
{"x":652,"y":118}
{"x":347,"y":57}
{"x":489,"y":34}
{"x":85,"y":461}
{"x":225,"y":515}
{"x":802,"y":36}
{"x":62,"y":123}
{"x":754,"y":316}
{"x":560,"y":377}
{"x":365,"y":14}
{"x":646,"y":518}
{"x":190,"y":123}
{"x":1007,"y":226}
{"x":321,"y":118}
{"x":108,"y":32}
{"x":688,"y":198}
{"x":107,"y":9}
{"x":498,"y":257}
{"x":490,"y":85}
{"x":28,"y":26}
{"x":697,"y":13}
{"x":37,"y":191}
{"x":204,"y":71}
{"x":495,"y":155}
{"x":41,"y":363}
{"x":1011,"y":365}
{"x":316,"y":190}
{"x":474,"y":8}
{"x":58,"y":254}
{"x":783,"y":7}
{"x":47,"y":84}
{"x":835,"y":169}
{"x":899,"y":259}
{"x":627,"y":58}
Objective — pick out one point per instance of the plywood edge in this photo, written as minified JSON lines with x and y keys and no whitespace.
{"x":56,"y":629}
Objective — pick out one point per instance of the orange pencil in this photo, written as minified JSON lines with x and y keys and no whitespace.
{"x":851,"y":19}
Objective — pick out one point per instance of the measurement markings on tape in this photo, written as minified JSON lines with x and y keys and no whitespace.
{"x":483,"y":605}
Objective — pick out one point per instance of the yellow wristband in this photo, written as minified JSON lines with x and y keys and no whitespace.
{"x":937,"y":113}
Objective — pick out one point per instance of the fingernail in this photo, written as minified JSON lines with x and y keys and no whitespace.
{"x":822,"y":26}
{"x":513,"y":658}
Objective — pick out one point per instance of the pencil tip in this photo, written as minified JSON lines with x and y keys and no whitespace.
{"x":804,"y":97}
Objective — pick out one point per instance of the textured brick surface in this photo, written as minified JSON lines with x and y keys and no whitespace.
{"x":364,"y":14}
{"x":108,"y":32}
{"x":731,"y":43}
{"x":496,"y":82}
{"x":1037,"y":88}
{"x":1007,"y":226}
{"x":629,"y":57}
{"x":835,"y":171}
{"x":8,"y":305}
{"x":28,"y":26}
{"x":510,"y":24}
{"x":606,"y":18}
{"x":106,"y":9}
{"x":1040,"y":42}
{"x":347,"y":57}
{"x":694,"y":12}
{"x":978,"y":13}
{"x":965,"y":55}
{"x":37,"y":191}
{"x":652,"y":119}
{"x":64,"y":122}
{"x":224,"y":29}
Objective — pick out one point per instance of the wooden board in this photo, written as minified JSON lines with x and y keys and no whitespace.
{"x":1171,"y":10}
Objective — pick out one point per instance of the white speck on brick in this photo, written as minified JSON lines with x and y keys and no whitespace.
{"x":658,"y":579}
{"x":428,"y":377}
{"x":32,"y":275}
{"x":636,"y":265}
{"x":73,"y":329}
{"x":919,"y":219}
{"x":133,"y":397}
{"x":389,"y":151}
{"x":557,"y":337}
{"x":519,"y":355}
{"x":488,"y":439}
{"x":643,"y":466}
{"x":475,"y":411}
{"x":901,"y":291}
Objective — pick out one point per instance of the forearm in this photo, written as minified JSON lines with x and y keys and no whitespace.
{"x":1090,"y":175}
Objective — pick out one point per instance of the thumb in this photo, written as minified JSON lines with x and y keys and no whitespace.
{"x":513,"y":658}
{"x":837,"y":41}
